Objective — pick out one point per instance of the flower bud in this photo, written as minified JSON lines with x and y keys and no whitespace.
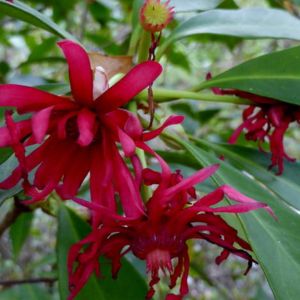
{"x":155,"y":15}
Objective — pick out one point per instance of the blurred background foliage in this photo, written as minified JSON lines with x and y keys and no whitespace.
{"x":29,"y":56}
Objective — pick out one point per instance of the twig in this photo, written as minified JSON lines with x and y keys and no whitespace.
{"x":8,"y":283}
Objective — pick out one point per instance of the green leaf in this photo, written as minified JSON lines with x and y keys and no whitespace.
{"x":23,"y":12}
{"x":275,"y":75}
{"x":25,"y":291}
{"x":136,"y":6}
{"x":40,"y":50}
{"x":275,"y":243}
{"x":246,"y":23}
{"x":286,"y":187}
{"x":192,"y":5}
{"x":129,"y":285}
{"x":19,"y":232}
{"x":5,"y":170}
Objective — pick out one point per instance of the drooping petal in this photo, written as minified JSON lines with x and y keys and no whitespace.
{"x":33,"y":160}
{"x":172,"y":120}
{"x":27,"y":99}
{"x":86,"y":121}
{"x":128,"y":191}
{"x":136,"y":80}
{"x":166,"y":171}
{"x":247,"y":204}
{"x":151,"y":177}
{"x":40,"y":123}
{"x":56,"y":158}
{"x":80,"y":72}
{"x":189,"y":182}
{"x":23,"y":127}
{"x":127,"y":143}
{"x":16,"y":144}
{"x":76,"y":172}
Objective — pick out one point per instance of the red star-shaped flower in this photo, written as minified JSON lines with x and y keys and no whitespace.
{"x":159,"y":234}
{"x":265,"y":119}
{"x":79,"y":134}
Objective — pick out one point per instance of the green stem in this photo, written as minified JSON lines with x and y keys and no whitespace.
{"x":144,"y":46}
{"x":146,"y":192}
{"x":134,"y":40}
{"x":166,"y":95}
{"x":161,"y":50}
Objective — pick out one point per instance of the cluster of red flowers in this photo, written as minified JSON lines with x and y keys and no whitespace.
{"x":265,"y":119}
{"x":88,"y":135}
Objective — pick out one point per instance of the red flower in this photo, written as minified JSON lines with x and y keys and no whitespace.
{"x":159,"y":234}
{"x":78,"y":135}
{"x":265,"y":119}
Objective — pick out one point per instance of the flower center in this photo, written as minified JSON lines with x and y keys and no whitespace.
{"x":159,"y":259}
{"x":156,"y":13}
{"x":72,"y":128}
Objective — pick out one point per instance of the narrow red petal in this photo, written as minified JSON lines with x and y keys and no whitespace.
{"x":172,"y":120}
{"x":136,"y":80}
{"x":27,"y":99}
{"x":40,"y":123}
{"x":189,"y":182}
{"x":127,"y":143}
{"x":76,"y":172}
{"x":23,"y":127}
{"x":80,"y":71}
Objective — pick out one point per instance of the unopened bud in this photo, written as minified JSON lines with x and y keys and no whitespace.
{"x":155,"y":15}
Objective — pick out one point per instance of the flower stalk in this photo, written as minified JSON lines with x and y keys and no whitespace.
{"x":167,"y":95}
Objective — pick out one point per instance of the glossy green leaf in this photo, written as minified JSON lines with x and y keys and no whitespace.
{"x":275,"y":75}
{"x":129,"y":285}
{"x":5,"y":170}
{"x":286,"y":187}
{"x":246,"y":23}
{"x":275,"y":243}
{"x":25,"y":291}
{"x":23,"y":12}
{"x":19,"y":231}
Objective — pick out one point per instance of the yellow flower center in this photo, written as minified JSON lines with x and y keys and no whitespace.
{"x":156,"y":13}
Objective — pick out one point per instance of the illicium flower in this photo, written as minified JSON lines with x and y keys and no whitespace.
{"x":159,"y":234}
{"x":77,"y":135}
{"x":156,"y":15}
{"x":265,"y":119}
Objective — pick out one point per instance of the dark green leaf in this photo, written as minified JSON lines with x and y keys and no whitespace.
{"x":129,"y":284}
{"x":19,"y":232}
{"x":275,"y":75}
{"x":228,"y":4}
{"x":21,"y":11}
{"x":286,"y":187}
{"x":275,"y":243}
{"x":5,"y":170}
{"x":25,"y":291}
{"x":100,"y":12}
{"x":61,"y":9}
{"x":246,"y":23}
{"x":42,"y":49}
{"x":180,"y":59}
